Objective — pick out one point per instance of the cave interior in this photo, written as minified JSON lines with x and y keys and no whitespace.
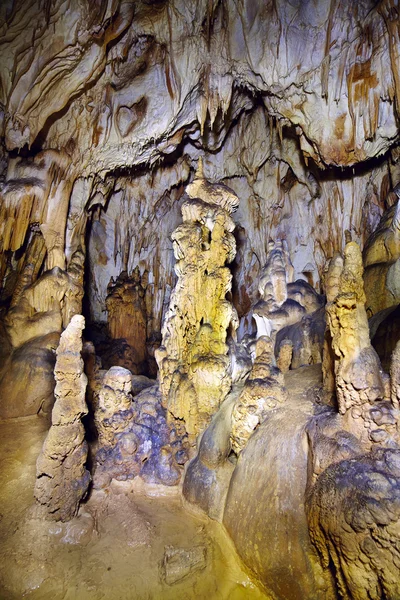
{"x":199,"y":299}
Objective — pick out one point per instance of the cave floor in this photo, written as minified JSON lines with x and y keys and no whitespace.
{"x":114,"y":549}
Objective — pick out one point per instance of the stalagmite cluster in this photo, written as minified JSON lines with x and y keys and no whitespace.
{"x":193,"y":359}
{"x":62,"y":479}
{"x":289,"y":311}
{"x":133,"y":435}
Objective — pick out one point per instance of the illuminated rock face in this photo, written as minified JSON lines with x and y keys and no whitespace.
{"x":61,"y":477}
{"x":193,"y":362}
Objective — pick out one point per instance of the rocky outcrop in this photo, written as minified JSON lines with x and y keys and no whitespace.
{"x":134,"y":438}
{"x":193,"y":358}
{"x":62,"y":479}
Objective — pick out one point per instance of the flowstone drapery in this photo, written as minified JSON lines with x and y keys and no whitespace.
{"x":194,"y":366}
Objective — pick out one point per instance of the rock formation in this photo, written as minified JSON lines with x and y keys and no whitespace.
{"x":381,"y":257}
{"x":355,"y":523}
{"x":263,"y":391}
{"x":395,"y":376}
{"x":193,"y":359}
{"x":105,"y":109}
{"x":133,"y":435}
{"x":289,"y":311}
{"x":62,"y":479}
{"x":358,"y":374}
{"x":39,"y":309}
{"x":127,"y":321}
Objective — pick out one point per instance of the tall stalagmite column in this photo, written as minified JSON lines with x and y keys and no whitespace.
{"x":194,"y":366}
{"x":61,"y":477}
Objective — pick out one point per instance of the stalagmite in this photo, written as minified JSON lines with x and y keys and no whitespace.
{"x":263,"y":391}
{"x":62,"y":479}
{"x":357,"y":369}
{"x":193,"y":362}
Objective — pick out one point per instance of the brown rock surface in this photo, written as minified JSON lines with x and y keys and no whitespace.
{"x":127,"y":317}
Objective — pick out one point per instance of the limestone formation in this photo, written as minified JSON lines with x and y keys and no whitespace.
{"x":193,"y":359}
{"x":395,"y":376}
{"x":39,"y":309}
{"x":127,"y":318}
{"x":289,"y":310}
{"x":301,"y":344}
{"x":208,"y":475}
{"x":354,"y":520}
{"x":134,"y":438}
{"x":105,"y":109}
{"x":381,"y":258}
{"x":274,"y":311}
{"x":358,"y":371}
{"x":263,"y":391}
{"x":62,"y":479}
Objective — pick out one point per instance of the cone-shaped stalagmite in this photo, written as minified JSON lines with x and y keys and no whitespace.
{"x":61,"y":477}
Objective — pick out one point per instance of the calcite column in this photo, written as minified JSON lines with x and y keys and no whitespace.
{"x":61,"y":477}
{"x":357,"y":366}
{"x":194,"y":366}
